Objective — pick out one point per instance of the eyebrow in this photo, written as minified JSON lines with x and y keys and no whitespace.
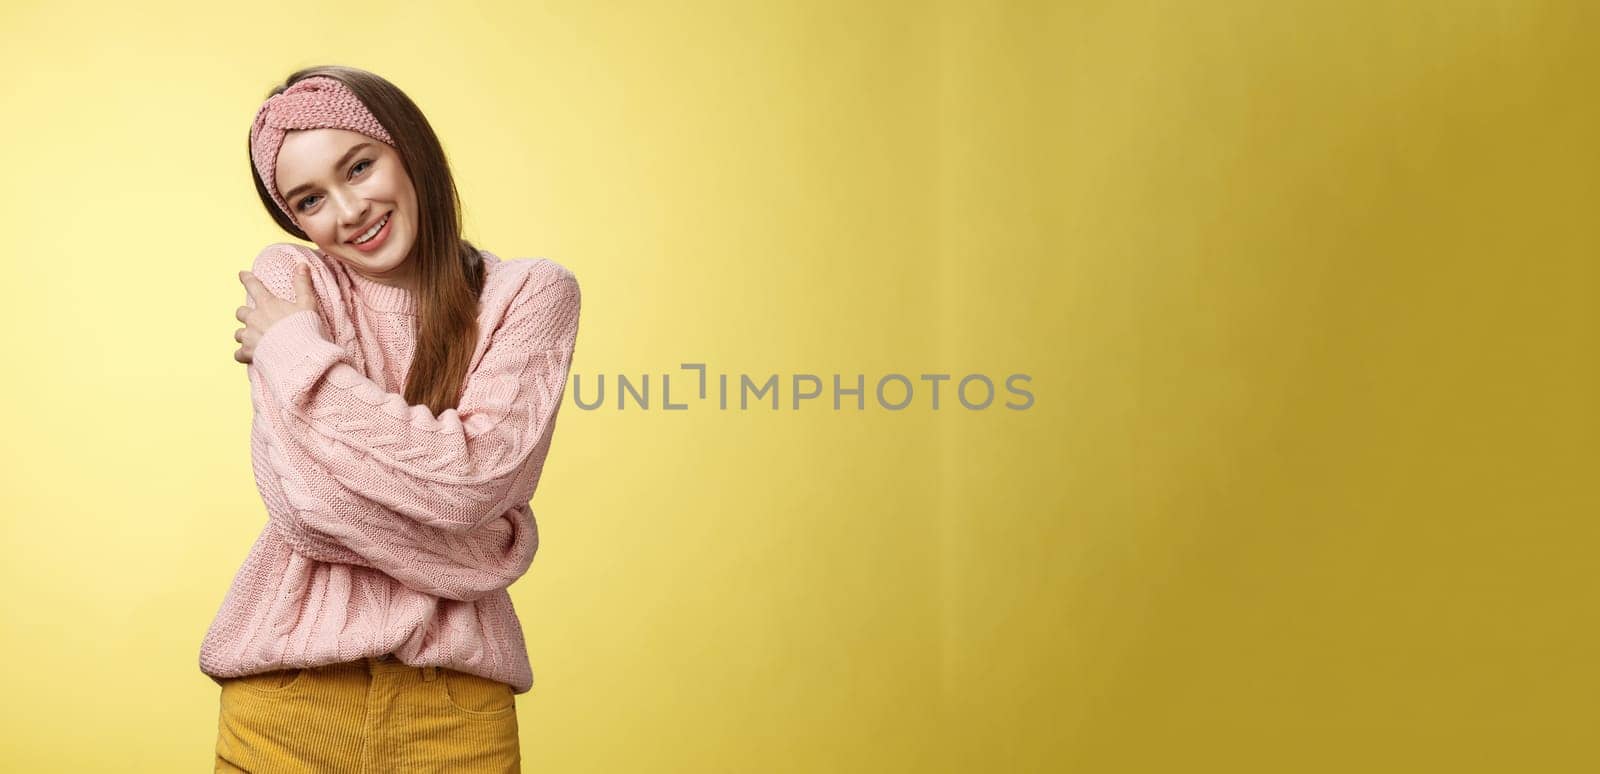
{"x":337,"y":164}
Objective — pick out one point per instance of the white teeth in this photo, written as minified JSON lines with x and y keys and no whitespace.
{"x":372,"y":232}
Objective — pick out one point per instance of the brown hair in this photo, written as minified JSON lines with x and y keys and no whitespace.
{"x":450,"y":272}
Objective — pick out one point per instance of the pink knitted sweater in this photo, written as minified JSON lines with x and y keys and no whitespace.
{"x":390,"y":529}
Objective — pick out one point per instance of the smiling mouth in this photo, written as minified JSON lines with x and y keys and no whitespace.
{"x":379,"y":224}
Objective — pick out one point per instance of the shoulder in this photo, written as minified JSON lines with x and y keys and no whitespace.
{"x":535,"y":302}
{"x":280,"y":258}
{"x":531,"y":282}
{"x":274,"y":266}
{"x":530,"y":274}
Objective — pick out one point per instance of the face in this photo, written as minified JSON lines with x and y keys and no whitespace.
{"x":338,"y":184}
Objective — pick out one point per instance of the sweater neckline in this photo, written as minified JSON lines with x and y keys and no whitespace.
{"x":388,"y":298}
{"x":376,"y":295}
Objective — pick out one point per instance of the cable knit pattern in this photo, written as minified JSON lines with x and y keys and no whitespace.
{"x":390,"y":529}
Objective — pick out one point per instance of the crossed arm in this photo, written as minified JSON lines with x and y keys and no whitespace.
{"x":353,"y":473}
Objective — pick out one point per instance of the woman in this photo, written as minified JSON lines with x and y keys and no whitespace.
{"x":405,"y":387}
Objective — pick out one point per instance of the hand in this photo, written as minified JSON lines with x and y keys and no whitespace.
{"x":268,"y":309}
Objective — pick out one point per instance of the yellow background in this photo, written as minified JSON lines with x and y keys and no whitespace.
{"x":1307,"y":293}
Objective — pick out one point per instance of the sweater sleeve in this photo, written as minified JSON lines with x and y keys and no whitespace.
{"x":322,"y":519}
{"x":438,"y":502}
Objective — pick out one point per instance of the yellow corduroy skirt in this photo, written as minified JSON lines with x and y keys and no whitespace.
{"x":372,"y":715}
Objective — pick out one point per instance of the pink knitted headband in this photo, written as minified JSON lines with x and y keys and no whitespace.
{"x":318,"y":102}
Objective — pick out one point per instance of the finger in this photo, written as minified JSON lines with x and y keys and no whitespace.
{"x":253,"y":285}
{"x":241,"y":313}
{"x":303,"y":293}
{"x":238,"y":335}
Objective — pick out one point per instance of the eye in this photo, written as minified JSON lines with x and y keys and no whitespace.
{"x":302,"y":205}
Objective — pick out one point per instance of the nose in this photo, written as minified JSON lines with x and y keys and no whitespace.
{"x":352,"y":211}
